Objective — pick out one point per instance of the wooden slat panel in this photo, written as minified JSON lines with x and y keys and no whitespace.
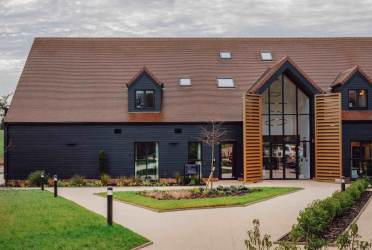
{"x":252,"y":138}
{"x":328,"y":137}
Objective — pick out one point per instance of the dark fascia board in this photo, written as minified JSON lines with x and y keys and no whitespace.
{"x":122,"y":123}
{"x":291,"y":72}
{"x":146,"y":71}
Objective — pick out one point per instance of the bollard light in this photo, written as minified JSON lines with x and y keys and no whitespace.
{"x":343,"y":183}
{"x":109,"y":206}
{"x":55,"y":180}
{"x":42,"y":182}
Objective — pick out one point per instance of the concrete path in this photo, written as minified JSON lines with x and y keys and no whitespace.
{"x":365,"y":222}
{"x":219,"y":228}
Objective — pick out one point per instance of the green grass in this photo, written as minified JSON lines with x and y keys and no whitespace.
{"x":169,"y":205}
{"x":1,"y":143}
{"x":34,"y":219}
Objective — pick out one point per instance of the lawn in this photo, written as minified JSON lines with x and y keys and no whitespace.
{"x":169,"y":205}
{"x":34,"y":219}
{"x":1,"y":143}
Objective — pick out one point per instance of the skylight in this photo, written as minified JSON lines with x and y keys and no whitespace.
{"x":225,"y":83}
{"x":266,"y":56}
{"x":225,"y":55}
{"x":185,"y":81}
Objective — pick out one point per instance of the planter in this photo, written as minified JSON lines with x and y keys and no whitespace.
{"x":340,"y":224}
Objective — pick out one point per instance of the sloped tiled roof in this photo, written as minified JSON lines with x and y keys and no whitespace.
{"x":84,"y":79}
{"x":273,"y":69}
{"x":345,"y":75}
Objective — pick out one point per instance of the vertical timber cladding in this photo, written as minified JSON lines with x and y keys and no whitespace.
{"x":252,"y":141}
{"x":328,"y":137}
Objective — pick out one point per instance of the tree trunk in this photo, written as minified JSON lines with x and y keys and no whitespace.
{"x":209,"y":181}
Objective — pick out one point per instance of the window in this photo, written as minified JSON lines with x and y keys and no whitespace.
{"x":361,"y":158}
{"x":194,"y":153}
{"x":225,"y":82}
{"x":358,"y":98}
{"x":225,"y":55}
{"x":146,"y":160}
{"x":145,"y":99}
{"x":185,"y":81}
{"x":266,"y":56}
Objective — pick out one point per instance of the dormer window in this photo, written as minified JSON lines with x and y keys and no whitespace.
{"x":145,"y":99}
{"x":358,"y":99}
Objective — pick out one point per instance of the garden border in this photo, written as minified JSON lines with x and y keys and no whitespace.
{"x":198,"y":208}
{"x":332,"y":244}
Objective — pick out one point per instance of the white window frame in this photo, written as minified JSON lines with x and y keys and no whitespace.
{"x":266,"y":56}
{"x":225,"y":82}
{"x":185,"y":81}
{"x":225,"y":55}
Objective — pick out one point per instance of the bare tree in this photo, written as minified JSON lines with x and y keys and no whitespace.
{"x":212,"y":136}
{"x":4,"y":106}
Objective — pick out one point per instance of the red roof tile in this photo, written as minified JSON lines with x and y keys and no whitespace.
{"x":83,"y":79}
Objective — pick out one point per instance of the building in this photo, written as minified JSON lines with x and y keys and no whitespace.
{"x":293,"y":108}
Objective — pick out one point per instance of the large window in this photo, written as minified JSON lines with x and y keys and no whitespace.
{"x":286,"y":130}
{"x":361,"y":158}
{"x":358,"y":98}
{"x":194,"y":153}
{"x":145,"y":99}
{"x":146,"y":160}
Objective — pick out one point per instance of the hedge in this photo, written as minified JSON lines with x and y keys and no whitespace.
{"x":314,"y":219}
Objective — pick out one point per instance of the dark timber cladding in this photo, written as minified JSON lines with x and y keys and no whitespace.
{"x":252,"y":137}
{"x":328,"y":137}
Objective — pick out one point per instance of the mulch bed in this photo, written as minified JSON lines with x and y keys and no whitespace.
{"x":189,"y":194}
{"x":340,"y":224}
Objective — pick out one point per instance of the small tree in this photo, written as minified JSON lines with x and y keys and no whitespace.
{"x":102,"y":162}
{"x":212,"y":136}
{"x":4,"y":106}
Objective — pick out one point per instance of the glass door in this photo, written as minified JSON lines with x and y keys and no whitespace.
{"x":146,"y":160}
{"x":276,"y":161}
{"x":290,"y":161}
{"x":227,"y":161}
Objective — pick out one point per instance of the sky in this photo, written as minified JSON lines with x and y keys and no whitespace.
{"x":23,"y":20}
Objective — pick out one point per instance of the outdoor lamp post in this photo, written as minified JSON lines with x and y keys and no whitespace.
{"x":109,"y":205}
{"x":55,"y":180}
{"x":342,"y":183}
{"x":42,"y":182}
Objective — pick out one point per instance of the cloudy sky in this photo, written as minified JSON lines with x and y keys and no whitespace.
{"x":22,"y":20}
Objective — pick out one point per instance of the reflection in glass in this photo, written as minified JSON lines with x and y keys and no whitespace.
{"x":290,"y":126}
{"x":146,"y":160}
{"x":304,"y":160}
{"x":290,"y":161}
{"x":276,"y":97}
{"x":276,"y":124}
{"x":276,"y":161}
{"x":290,"y":96}
{"x":227,"y":160}
{"x":304,"y":127}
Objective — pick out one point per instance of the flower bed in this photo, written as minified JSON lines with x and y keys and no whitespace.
{"x":324,"y":220}
{"x":220,"y":191}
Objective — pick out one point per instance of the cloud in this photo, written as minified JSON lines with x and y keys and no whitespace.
{"x":22,"y":20}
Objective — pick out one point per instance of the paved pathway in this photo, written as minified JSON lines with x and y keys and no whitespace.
{"x":365,"y":222}
{"x":219,"y":228}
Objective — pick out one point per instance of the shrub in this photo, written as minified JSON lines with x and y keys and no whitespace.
{"x":105,"y":179}
{"x":77,"y":181}
{"x":34,"y":178}
{"x":102,"y":162}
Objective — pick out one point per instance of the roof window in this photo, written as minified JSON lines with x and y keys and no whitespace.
{"x":185,"y":81}
{"x":225,"y":55}
{"x":266,"y":56}
{"x":225,"y":83}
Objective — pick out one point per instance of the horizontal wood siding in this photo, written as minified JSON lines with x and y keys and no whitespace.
{"x":252,"y":138}
{"x":73,"y":149}
{"x":328,"y":137}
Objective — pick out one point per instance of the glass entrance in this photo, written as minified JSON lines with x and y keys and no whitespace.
{"x":286,"y":131}
{"x":227,"y":161}
{"x":146,"y":160}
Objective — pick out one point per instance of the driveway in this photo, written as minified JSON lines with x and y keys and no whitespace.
{"x":219,"y":228}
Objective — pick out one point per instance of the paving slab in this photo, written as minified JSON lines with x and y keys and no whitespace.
{"x":215,"y":228}
{"x":364,"y":222}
